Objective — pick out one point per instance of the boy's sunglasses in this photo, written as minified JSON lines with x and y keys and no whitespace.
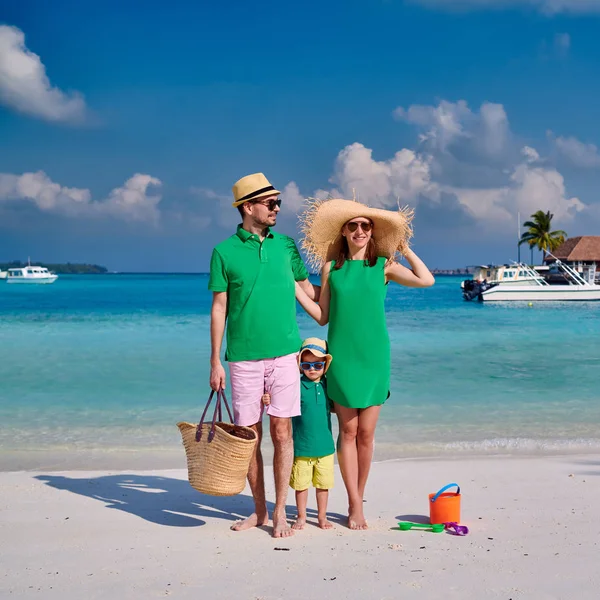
{"x":317,"y":366}
{"x":270,"y":204}
{"x":353,"y":226}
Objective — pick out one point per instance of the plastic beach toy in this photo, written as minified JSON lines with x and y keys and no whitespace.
{"x":456,"y":529}
{"x":444,"y":507}
{"x":406,"y":525}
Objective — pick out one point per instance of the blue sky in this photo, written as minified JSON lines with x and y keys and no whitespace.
{"x":124,"y":124}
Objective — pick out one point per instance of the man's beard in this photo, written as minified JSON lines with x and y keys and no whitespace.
{"x":267,"y":222}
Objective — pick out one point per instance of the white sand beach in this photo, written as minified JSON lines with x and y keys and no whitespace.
{"x":534,"y":534}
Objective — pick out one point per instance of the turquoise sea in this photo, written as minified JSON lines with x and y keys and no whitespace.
{"x":96,"y":371}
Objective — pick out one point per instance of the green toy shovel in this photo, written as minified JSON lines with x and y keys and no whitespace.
{"x":406,"y":525}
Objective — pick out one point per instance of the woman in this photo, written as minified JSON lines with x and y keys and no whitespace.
{"x":355,"y":246}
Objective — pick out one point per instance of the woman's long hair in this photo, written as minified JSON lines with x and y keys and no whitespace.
{"x":370,"y":255}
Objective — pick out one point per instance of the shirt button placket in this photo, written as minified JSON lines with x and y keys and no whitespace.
{"x":262,"y":252}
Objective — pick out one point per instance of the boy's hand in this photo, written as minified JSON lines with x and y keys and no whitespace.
{"x":266,"y":399}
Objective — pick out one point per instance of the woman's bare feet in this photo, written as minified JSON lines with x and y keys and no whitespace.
{"x":252,"y":521}
{"x":281,"y":528}
{"x":299,"y":523}
{"x":356,"y":519}
{"x":324,"y":523}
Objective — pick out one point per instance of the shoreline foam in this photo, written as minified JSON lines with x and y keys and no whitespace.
{"x":64,"y":458}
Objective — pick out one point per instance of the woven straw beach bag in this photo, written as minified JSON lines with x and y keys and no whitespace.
{"x":218,"y":453}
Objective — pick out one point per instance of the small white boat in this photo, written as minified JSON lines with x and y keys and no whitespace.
{"x":515,"y":274}
{"x":535,"y":289}
{"x":30,"y":274}
{"x":3,"y":274}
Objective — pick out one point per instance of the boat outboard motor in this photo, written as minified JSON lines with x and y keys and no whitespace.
{"x":472,"y":289}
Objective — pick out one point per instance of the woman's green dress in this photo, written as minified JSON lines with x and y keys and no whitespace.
{"x":359,"y":375}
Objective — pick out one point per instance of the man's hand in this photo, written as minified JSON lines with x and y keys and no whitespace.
{"x":217,"y":377}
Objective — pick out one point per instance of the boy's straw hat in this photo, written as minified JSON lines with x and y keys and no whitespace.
{"x":322,"y":225}
{"x":318,"y":347}
{"x":252,"y":187}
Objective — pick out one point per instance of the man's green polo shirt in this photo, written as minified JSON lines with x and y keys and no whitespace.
{"x":261,"y":295}
{"x":312,"y":429}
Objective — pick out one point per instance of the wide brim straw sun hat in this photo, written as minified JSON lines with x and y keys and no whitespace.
{"x":322,"y":222}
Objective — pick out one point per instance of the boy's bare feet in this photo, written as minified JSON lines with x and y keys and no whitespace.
{"x":324,"y":523}
{"x":252,"y":521}
{"x":299,"y":523}
{"x":281,"y":528}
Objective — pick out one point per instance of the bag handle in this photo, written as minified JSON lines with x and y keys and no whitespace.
{"x":221,"y":399}
{"x":446,"y":487}
{"x":226,"y":406}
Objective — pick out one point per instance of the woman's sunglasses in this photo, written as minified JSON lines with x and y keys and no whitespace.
{"x":270,"y":204}
{"x":317,"y":366}
{"x":353,"y":226}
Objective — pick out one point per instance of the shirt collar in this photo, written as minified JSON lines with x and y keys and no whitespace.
{"x":308,"y":384}
{"x":246,"y":235}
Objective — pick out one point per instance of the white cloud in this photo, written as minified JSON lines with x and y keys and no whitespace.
{"x":548,"y":7}
{"x":293,"y":200}
{"x":451,"y":123}
{"x":494,"y":128}
{"x":496,"y":178}
{"x":441,"y":124}
{"x":43,"y":192}
{"x":538,"y":188}
{"x":24,"y":85}
{"x":530,"y":188}
{"x":531,"y":154}
{"x":577,"y":153}
{"x":380,"y":183}
{"x":468,"y":166}
{"x":131,"y":202}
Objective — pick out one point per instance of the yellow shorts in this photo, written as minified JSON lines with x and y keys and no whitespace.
{"x":307,"y":470}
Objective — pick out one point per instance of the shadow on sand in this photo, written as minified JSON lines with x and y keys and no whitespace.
{"x":413,"y":518}
{"x":163,"y":500}
{"x":591,"y":464}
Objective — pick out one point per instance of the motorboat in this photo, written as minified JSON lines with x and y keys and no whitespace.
{"x":563,"y":284}
{"x":30,"y":274}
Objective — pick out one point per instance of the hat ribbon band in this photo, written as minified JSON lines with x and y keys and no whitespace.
{"x":256,"y":193}
{"x":314,"y":347}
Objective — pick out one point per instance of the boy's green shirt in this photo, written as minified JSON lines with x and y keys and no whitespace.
{"x":312,"y":429}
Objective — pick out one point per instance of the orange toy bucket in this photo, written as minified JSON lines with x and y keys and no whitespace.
{"x":444,"y":507}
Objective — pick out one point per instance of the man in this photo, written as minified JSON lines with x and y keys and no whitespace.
{"x":252,"y":277}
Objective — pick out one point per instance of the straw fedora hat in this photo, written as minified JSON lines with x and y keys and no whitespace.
{"x":322,"y":225}
{"x":318,"y":347}
{"x":252,"y":187}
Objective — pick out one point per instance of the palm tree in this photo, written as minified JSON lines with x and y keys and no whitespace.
{"x":539,"y":233}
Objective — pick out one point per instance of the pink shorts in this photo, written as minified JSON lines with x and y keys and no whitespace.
{"x":250,"y":379}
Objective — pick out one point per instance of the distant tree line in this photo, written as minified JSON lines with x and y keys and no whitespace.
{"x":61,"y":269}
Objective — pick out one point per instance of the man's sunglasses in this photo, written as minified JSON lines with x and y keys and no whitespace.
{"x":317,"y":366}
{"x":353,"y":226}
{"x":270,"y":204}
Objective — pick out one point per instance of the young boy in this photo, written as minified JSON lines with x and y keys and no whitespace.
{"x":313,"y":440}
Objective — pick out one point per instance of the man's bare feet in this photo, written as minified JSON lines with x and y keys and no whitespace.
{"x":356,"y":520}
{"x":299,"y":523}
{"x":252,"y":521}
{"x":324,"y":523}
{"x":281,"y":528}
